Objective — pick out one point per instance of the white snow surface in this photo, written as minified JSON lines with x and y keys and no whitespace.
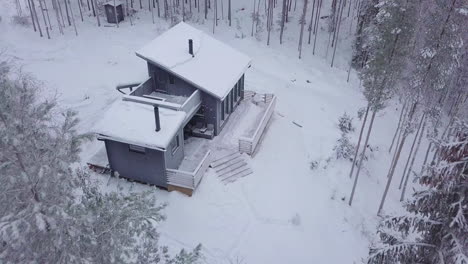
{"x":134,"y":123}
{"x":284,"y":212}
{"x":215,"y":68}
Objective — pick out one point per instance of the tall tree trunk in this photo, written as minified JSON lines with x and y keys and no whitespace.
{"x":283,"y":18}
{"x":47,"y":14}
{"x":311,"y":22}
{"x":411,"y":153}
{"x":398,"y":127}
{"x":359,"y":142}
{"x":32,"y":15}
{"x":402,"y":197}
{"x":303,"y":22}
{"x":97,"y":12}
{"x":129,"y":14}
{"x":44,"y":17}
{"x":363,"y":154}
{"x":317,"y":21}
{"x":36,"y":17}
{"x":183,"y":11}
{"x":206,"y":9}
{"x":269,"y":24}
{"x":214,"y":16}
{"x":73,"y":17}
{"x":81,"y":11}
{"x":397,"y":157}
{"x":337,"y":31}
{"x":229,"y":12}
{"x":57,"y":14}
{"x":66,"y":11}
{"x":253,"y":18}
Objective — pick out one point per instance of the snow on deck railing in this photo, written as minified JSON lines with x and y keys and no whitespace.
{"x":143,"y":100}
{"x":189,"y":180}
{"x":192,"y":102}
{"x":248,"y":144}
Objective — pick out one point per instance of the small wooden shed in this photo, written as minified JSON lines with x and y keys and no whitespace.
{"x":112,"y":7}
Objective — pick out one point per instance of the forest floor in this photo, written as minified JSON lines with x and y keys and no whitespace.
{"x":285,"y":212}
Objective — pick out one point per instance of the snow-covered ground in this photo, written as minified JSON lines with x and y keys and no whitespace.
{"x":284,"y":212}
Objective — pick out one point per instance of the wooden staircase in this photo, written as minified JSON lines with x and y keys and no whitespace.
{"x":231,"y":167}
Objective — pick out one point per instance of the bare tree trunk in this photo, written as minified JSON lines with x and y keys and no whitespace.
{"x":317,"y":21}
{"x":257,"y":16}
{"x":97,"y":12}
{"x":283,"y":18}
{"x":129,"y":13}
{"x":359,"y":142}
{"x":222,"y":9}
{"x":117,"y":17}
{"x":66,"y":11}
{"x":214,"y":16}
{"x":253,"y":18}
{"x":36,"y":17}
{"x":303,"y":22}
{"x":269,"y":24}
{"x":183,"y":11}
{"x":337,"y":31}
{"x":81,"y":11}
{"x":411,"y":154}
{"x":311,"y":21}
{"x":206,"y":9}
{"x":399,"y":125}
{"x":32,"y":15}
{"x":397,"y":157}
{"x":369,"y":131}
{"x":57,"y":14}
{"x":47,"y":14}
{"x":402,"y":197}
{"x":230,"y":12}
{"x":44,"y":17}
{"x":72,"y":16}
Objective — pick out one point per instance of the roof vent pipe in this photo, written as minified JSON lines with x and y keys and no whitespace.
{"x":190,"y":47}
{"x":156,"y":118}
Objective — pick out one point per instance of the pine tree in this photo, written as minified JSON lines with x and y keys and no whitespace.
{"x":435,"y":228}
{"x":51,"y":213}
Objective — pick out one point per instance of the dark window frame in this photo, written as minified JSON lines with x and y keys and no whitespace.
{"x":175,"y":145}
{"x":136,"y":149}
{"x":171,"y":78}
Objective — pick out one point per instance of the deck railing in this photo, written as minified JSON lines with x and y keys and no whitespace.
{"x":189,"y":180}
{"x":248,"y":144}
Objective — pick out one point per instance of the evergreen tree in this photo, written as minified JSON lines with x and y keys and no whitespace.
{"x":50,"y":213}
{"x":434,"y":231}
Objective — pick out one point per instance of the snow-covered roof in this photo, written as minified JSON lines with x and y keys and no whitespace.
{"x":114,"y":2}
{"x":134,"y":123}
{"x":215,"y":68}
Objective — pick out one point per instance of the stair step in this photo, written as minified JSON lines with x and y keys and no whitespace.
{"x":224,"y":159}
{"x":230,"y":173}
{"x":229,"y":164}
{"x":232,"y":168}
{"x":237,"y":175}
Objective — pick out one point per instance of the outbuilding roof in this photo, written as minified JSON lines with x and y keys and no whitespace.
{"x":215,"y":68}
{"x":114,"y":3}
{"x":134,"y":123}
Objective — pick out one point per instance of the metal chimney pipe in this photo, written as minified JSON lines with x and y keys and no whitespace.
{"x":190,"y":47}
{"x":156,"y":118}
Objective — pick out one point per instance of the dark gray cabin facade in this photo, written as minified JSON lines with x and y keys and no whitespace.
{"x":144,"y":133}
{"x":211,"y":111}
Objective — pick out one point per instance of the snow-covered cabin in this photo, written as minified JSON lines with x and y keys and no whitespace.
{"x":195,"y":82}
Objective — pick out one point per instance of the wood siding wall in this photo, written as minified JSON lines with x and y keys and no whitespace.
{"x":148,"y":167}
